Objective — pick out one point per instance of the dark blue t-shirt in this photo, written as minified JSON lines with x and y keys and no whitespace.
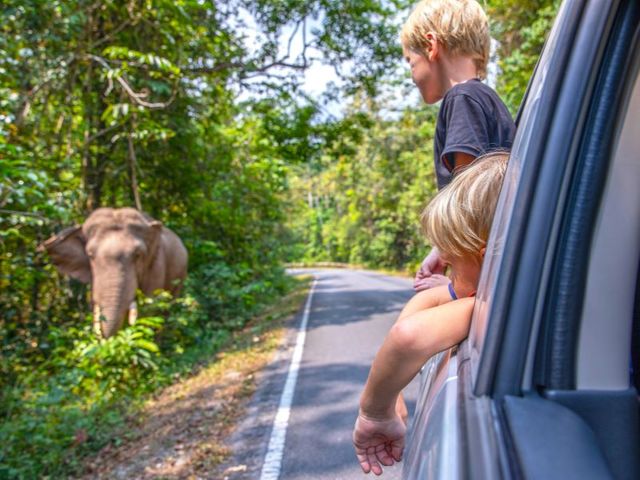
{"x":472,"y":119}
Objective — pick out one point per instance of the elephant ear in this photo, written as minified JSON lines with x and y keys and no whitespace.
{"x":67,"y":252}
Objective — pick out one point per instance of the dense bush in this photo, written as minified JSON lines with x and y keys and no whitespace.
{"x":71,"y":403}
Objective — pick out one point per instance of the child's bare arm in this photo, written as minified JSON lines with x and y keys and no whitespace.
{"x":401,"y":408}
{"x":409,"y":344}
{"x":379,"y":432}
{"x":461,"y":160}
{"x":426,"y":299}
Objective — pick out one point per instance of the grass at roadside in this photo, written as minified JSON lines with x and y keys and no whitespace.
{"x":181,"y":432}
{"x":216,"y":392}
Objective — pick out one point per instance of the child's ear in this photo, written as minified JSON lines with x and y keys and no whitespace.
{"x":433,"y":46}
{"x":483,"y":250}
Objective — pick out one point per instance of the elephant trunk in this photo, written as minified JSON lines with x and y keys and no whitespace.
{"x":113,"y":318}
{"x":112,"y":300}
{"x":97,"y":320}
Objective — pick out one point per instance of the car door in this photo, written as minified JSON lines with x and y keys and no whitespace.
{"x":542,"y":387}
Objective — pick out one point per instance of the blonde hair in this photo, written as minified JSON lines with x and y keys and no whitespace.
{"x":458,"y":219}
{"x":460,"y":25}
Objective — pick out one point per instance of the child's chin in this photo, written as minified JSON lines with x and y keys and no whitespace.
{"x":431,"y":99}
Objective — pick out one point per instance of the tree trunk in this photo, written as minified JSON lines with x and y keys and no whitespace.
{"x":94,"y":160}
{"x":132,"y":172}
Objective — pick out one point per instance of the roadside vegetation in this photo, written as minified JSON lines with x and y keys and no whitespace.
{"x":88,"y":391}
{"x":359,"y":200}
{"x":178,"y":108}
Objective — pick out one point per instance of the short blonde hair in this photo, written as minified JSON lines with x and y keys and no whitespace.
{"x":460,"y":25}
{"x":458,"y":219}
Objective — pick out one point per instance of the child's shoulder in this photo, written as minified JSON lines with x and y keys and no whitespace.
{"x":473,"y":88}
{"x":475,"y":94}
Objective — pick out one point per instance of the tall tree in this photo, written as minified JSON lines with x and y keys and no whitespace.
{"x":188,"y":109}
{"x":521,"y":27}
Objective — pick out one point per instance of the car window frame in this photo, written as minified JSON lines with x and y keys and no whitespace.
{"x":529,"y":116}
{"x":571,"y":287}
{"x":555,"y":111}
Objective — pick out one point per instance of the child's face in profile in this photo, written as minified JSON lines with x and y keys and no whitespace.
{"x":424,"y":75}
{"x":465,"y":273}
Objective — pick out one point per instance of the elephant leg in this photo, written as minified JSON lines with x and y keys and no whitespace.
{"x":133,"y":313}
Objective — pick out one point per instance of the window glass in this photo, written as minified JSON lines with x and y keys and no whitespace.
{"x":505,"y":212}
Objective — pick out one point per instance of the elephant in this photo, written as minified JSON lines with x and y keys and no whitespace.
{"x":119,"y":251}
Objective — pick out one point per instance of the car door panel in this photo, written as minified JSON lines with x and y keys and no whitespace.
{"x":614,"y":417}
{"x":433,"y":438}
{"x":551,"y":442}
{"x":536,"y":203}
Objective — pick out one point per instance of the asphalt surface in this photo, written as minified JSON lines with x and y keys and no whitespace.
{"x":350,"y":314}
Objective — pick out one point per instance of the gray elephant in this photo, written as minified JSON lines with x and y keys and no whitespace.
{"x":119,"y":251}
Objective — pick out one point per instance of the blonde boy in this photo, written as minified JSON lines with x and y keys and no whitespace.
{"x":446,"y":43}
{"x":457,"y":221}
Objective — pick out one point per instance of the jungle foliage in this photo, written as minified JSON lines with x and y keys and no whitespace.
{"x":358,"y":201}
{"x":193,"y":111}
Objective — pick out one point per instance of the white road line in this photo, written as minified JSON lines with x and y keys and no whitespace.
{"x":273,"y":460}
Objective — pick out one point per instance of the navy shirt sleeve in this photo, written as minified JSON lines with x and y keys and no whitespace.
{"x":467,"y":129}
{"x":472,"y":120}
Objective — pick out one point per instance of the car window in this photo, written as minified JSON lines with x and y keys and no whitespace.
{"x":505,"y":213}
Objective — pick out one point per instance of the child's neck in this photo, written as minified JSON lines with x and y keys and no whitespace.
{"x":457,"y":70}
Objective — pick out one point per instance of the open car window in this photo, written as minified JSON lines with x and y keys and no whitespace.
{"x":529,"y":123}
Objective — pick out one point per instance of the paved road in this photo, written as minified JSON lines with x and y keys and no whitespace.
{"x":350,"y":315}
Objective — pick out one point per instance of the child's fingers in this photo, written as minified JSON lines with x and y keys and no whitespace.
{"x":372,"y":457}
{"x":395,"y":451}
{"x":383,"y":456}
{"x":364,"y":462}
{"x":368,"y":460}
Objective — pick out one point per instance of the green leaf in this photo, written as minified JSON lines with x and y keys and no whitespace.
{"x":147,"y":345}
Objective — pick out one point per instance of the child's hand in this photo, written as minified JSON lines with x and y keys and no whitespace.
{"x":378,"y":442}
{"x":431,"y":273}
